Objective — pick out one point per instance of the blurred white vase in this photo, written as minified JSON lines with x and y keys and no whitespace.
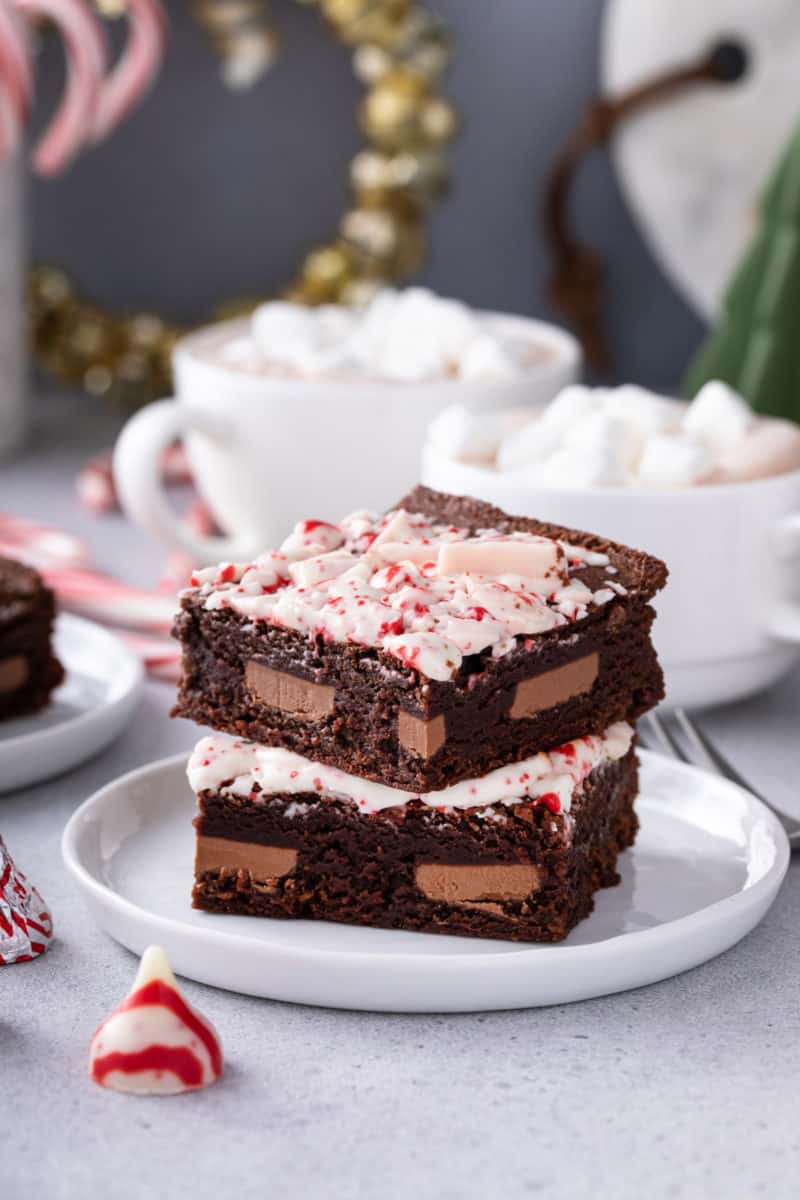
{"x":13,"y":341}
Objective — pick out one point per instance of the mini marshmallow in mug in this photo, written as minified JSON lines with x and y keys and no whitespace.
{"x":673,"y":460}
{"x":533,"y":443}
{"x":585,"y":466}
{"x":469,"y":436}
{"x":486,"y":358}
{"x":575,"y":403}
{"x":647,"y":412}
{"x":718,"y":416}
{"x":607,"y":435}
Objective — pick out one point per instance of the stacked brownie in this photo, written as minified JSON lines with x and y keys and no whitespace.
{"x":432,"y":720}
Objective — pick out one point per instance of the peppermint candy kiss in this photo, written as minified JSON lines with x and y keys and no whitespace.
{"x":26,"y":926}
{"x":155,"y":1043}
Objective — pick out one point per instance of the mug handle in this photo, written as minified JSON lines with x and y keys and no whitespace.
{"x":785,"y":620}
{"x":137,"y":475}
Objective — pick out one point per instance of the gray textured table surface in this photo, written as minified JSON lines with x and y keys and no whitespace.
{"x":690,"y":1088}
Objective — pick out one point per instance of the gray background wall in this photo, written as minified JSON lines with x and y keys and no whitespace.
{"x":205,"y":194}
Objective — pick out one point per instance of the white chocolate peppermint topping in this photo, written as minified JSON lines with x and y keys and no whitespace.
{"x":155,"y":1043}
{"x":541,"y":559}
{"x":427,"y":593}
{"x":238,"y":768}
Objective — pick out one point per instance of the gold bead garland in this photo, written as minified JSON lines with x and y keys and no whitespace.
{"x":400,"y":52}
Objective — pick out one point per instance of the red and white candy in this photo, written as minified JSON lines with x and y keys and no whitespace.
{"x":155,"y":1043}
{"x":94,"y":99}
{"x":26,"y":926}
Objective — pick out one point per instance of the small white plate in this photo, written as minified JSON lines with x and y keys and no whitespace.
{"x":707,"y":865}
{"x":100,"y":691}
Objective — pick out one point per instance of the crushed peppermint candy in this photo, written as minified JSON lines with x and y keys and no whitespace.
{"x":427,"y":593}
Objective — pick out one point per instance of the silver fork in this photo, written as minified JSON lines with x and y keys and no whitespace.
{"x":703,"y":753}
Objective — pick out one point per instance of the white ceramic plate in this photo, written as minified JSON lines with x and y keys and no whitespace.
{"x":707,"y":865}
{"x":101,"y":689}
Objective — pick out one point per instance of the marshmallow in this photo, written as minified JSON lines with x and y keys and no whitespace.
{"x":243,"y":352}
{"x":771,"y":448}
{"x":572,"y":404}
{"x":646,"y":411}
{"x":578,"y":467}
{"x":407,"y":335}
{"x":423,"y":336}
{"x":673,"y":460}
{"x":464,"y":435}
{"x":485,"y":359}
{"x":718,"y":416}
{"x":600,"y":433}
{"x":284,"y":333}
{"x":532,"y":444}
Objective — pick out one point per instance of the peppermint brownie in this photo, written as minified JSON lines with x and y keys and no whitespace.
{"x":516,"y":854}
{"x":425,"y":646}
{"x":29,"y":671}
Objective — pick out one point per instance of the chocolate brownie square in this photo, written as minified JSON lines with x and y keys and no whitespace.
{"x":516,"y":854}
{"x":432,"y":644}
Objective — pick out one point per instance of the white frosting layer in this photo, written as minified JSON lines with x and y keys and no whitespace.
{"x":408,"y":335}
{"x":600,"y":437}
{"x":426,"y":593}
{"x":235,"y":768}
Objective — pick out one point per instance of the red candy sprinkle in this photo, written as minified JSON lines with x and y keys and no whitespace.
{"x":310,"y":526}
{"x":550,"y":800}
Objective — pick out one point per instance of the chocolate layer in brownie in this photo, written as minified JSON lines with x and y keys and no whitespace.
{"x":515,"y":871}
{"x":28,"y":669}
{"x":372,"y":714}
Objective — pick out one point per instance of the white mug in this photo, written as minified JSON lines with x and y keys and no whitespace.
{"x":268,"y":450}
{"x":729,"y":613}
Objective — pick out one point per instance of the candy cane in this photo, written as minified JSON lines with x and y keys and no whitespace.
{"x":86,"y":59}
{"x":10,"y":124}
{"x":160,"y":655}
{"x":106,"y":599}
{"x":40,"y":545}
{"x":136,"y":68}
{"x":95,"y":486}
{"x":15,"y":63}
{"x":179,"y":566}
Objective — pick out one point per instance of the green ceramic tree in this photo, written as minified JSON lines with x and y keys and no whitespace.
{"x":756,"y":346}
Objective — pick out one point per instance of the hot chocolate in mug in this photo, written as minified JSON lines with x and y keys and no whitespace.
{"x":268,"y":449}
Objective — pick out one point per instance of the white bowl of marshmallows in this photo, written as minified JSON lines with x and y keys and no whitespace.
{"x":708,"y":486}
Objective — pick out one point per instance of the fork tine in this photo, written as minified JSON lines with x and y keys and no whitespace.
{"x":709,"y":752}
{"x":665,"y":738}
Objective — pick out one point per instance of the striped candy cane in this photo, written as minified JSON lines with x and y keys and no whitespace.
{"x":137,"y":66}
{"x":93,"y":101}
{"x":85,"y":48}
